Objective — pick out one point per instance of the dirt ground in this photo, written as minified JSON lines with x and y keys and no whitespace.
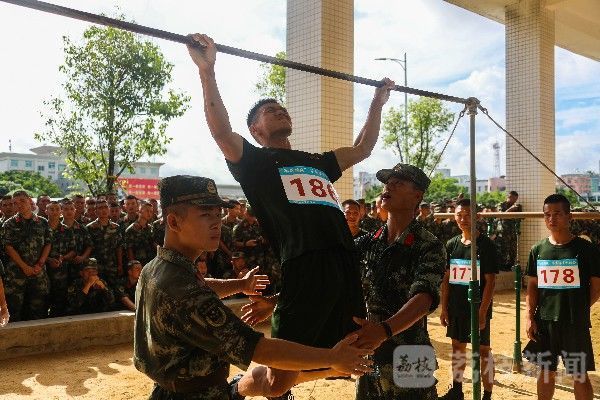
{"x":108,"y":372}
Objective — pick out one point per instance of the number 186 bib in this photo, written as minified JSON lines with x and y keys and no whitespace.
{"x":558,"y":274}
{"x":307,"y":185}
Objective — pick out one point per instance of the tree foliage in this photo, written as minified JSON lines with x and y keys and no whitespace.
{"x":117,"y":106}
{"x":272,"y":80}
{"x":32,"y":182}
{"x":416,"y":143}
{"x":372,"y":192}
{"x":572,"y":197}
{"x":488,"y":198}
{"x":442,"y":189}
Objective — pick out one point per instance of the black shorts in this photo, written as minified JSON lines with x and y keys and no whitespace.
{"x":459,"y":328}
{"x":572,"y":342}
{"x":320,"y":293}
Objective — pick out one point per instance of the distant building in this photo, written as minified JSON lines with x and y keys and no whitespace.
{"x":363,"y":182}
{"x":587,"y":185}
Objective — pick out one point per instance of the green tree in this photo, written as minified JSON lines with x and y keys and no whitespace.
{"x":495,"y":197}
{"x":416,"y":143}
{"x":33,"y":182}
{"x":117,"y":106}
{"x":442,"y":189}
{"x":272,"y":80}
{"x":372,"y":192}
{"x":569,"y":194}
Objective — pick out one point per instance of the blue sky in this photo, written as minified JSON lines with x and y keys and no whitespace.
{"x":449,"y":50}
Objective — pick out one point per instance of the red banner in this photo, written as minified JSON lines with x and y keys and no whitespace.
{"x":140,"y":188}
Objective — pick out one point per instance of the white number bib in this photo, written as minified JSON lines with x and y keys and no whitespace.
{"x":460,"y":271}
{"x":558,"y":274}
{"x":307,"y":185}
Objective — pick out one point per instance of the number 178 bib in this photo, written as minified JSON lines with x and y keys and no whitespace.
{"x":558,"y":274}
{"x":307,"y":185}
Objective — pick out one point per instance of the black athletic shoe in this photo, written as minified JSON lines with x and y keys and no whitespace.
{"x":286,"y":396}
{"x":233,"y":388}
{"x":453,"y":394}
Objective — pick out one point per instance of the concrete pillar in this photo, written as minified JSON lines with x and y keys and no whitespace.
{"x":530,"y":110}
{"x":321,"y":33}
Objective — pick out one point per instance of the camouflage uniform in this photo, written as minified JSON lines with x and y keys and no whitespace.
{"x":508,"y":230}
{"x":261,"y":255}
{"x":428,"y":223}
{"x":63,"y":242}
{"x":82,"y":240}
{"x":106,"y":240}
{"x":391,"y":275}
{"x":123,"y":289}
{"x":370,"y":224}
{"x":193,"y":336}
{"x":95,"y":301}
{"x":448,"y":229}
{"x":158,"y":232}
{"x":27,"y":297}
{"x":141,"y":242}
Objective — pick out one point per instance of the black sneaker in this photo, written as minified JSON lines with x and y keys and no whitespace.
{"x":453,"y":394}
{"x":286,"y":396}
{"x":233,"y":388}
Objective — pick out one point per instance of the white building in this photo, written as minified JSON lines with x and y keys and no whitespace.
{"x":363,"y":182}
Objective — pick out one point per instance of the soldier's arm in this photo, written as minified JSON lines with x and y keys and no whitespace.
{"x":488,"y":293}
{"x":594,"y":290}
{"x":416,"y":308}
{"x":45,"y":252}
{"x":120,"y":260}
{"x":130,"y":255}
{"x":249,"y":284}
{"x":204,"y":56}
{"x":128,"y":303}
{"x":16,"y":257}
{"x":349,"y":156}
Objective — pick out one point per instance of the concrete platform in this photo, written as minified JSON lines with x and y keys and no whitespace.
{"x":74,"y":332}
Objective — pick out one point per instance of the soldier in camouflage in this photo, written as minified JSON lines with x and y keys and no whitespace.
{"x":61,"y":252}
{"x":26,"y":239}
{"x":139,"y":238}
{"x":89,"y":294}
{"x":107,"y":245}
{"x":158,"y":231}
{"x":4,"y":314}
{"x":508,"y":231}
{"x":131,"y":207}
{"x":402,"y":266}
{"x":83,"y":241}
{"x":426,"y":218}
{"x":125,"y":290}
{"x":185,"y":337}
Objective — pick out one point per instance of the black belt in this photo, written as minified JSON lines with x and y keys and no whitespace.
{"x":216,"y":378}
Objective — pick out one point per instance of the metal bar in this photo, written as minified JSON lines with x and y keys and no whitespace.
{"x":522,"y":215}
{"x":144,"y":30}
{"x":474,"y":295}
{"x":517,"y":365}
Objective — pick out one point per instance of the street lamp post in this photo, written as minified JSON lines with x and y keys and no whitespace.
{"x":404,"y":67}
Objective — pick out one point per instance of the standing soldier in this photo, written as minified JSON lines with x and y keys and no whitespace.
{"x":61,"y":252}
{"x":90,"y":210}
{"x":42,"y":202}
{"x":115,"y":212}
{"x":402,"y":265}
{"x":26,"y":239}
{"x":425,"y":217}
{"x":455,"y":313}
{"x":351,"y":210}
{"x":185,"y":338}
{"x":508,"y":231}
{"x":83,"y":241}
{"x":247,"y":237}
{"x":563,"y":284}
{"x":107,"y":245}
{"x":79,"y":203}
{"x":131,"y":207}
{"x":7,"y":208}
{"x":158,"y":231}
{"x":233,"y":214}
{"x":138,"y":237}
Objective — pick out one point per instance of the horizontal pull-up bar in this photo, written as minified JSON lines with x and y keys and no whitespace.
{"x":522,"y":215}
{"x":174,"y":37}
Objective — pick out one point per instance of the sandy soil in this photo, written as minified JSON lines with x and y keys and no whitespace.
{"x":108,"y":372}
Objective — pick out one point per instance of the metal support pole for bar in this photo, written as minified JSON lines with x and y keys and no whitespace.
{"x":174,"y":37}
{"x":517,"y":365}
{"x":474,"y":295}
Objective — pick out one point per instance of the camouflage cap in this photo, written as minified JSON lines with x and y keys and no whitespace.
{"x":405,"y":171}
{"x":91,"y":263}
{"x":195,"y":190}
{"x":424,"y":204}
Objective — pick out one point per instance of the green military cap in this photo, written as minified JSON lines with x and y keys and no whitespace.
{"x":405,"y":171}
{"x":189,"y":189}
{"x":91,"y":263}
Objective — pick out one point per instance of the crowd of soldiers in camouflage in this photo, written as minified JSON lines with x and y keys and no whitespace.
{"x":84,"y":255}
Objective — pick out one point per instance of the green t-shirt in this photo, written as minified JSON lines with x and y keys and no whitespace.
{"x":459,"y":258}
{"x":564,"y":273}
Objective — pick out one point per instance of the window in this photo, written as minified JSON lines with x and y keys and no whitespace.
{"x":41,"y":168}
{"x":51,"y":165}
{"x":28,"y":164}
{"x":154,"y":171}
{"x":61,"y":167}
{"x":142,"y":170}
{"x":14,"y":163}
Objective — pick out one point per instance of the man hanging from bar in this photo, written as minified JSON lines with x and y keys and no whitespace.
{"x":292,"y":195}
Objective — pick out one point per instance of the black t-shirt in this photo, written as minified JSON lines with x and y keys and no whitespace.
{"x":291,"y":193}
{"x":564,"y":273}
{"x":459,"y":258}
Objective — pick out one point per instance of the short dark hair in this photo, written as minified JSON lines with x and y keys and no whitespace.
{"x":114,"y":205}
{"x":65,"y":202}
{"x":7,"y":197}
{"x":361,"y":201}
{"x":462,"y":203}
{"x":131,"y":263}
{"x":18,"y":193}
{"x":130,"y":197}
{"x":77,"y":196}
{"x":559,"y":199}
{"x":513,"y":193}
{"x":351,"y":202}
{"x":254,"y":110}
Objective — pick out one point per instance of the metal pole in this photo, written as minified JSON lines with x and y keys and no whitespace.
{"x":517,"y":356}
{"x":405,"y":96}
{"x":174,"y":37}
{"x":474,"y":295}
